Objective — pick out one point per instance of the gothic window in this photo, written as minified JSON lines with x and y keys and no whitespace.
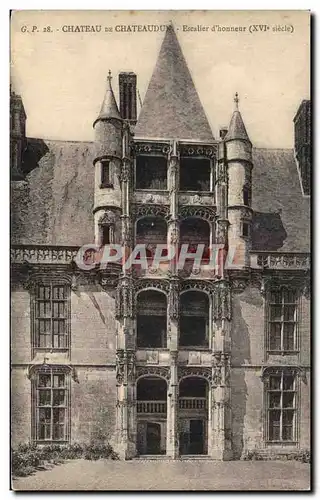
{"x":51,"y":316}
{"x":281,"y":399}
{"x":105,"y":235}
{"x":195,"y":231}
{"x":194,"y":319}
{"x":152,"y":231}
{"x":151,"y":172}
{"x":282,"y":320}
{"x":105,"y":180}
{"x":51,"y":405}
{"x":151,"y":319}
{"x":195,"y":174}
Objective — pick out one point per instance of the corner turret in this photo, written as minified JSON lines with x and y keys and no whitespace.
{"x":238,"y":155}
{"x":107,"y":162}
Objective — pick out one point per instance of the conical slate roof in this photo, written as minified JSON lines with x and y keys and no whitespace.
{"x":172,"y":108}
{"x":109,"y":108}
{"x":237,"y":129}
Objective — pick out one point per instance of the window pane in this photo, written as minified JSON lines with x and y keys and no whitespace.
{"x":287,"y":433}
{"x":58,"y":292}
{"x":44,"y":309}
{"x":44,"y":380}
{"x":58,"y":397}
{"x":287,"y":423}
{"x":288,"y":336}
{"x":58,"y":309}
{"x":289,"y":313}
{"x":289,"y":296}
{"x":274,"y":425}
{"x":45,"y":341}
{"x":274,"y":399}
{"x":44,"y":292}
{"x":58,"y":380}
{"x":275,"y":381}
{"x":58,"y":415}
{"x":45,"y":415}
{"x":44,"y":326}
{"x":288,"y":400}
{"x":275,"y":313}
{"x":275,"y":336}
{"x":44,"y":432}
{"x":45,"y":397}
{"x":288,"y":382}
{"x":58,"y":432}
{"x":276,"y":297}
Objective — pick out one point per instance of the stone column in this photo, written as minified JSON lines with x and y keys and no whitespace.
{"x":220,"y":444}
{"x":173,"y":184}
{"x":172,"y":408}
{"x":125,"y":362}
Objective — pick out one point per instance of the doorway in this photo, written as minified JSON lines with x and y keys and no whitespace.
{"x":153,"y":439}
{"x":192,"y":439}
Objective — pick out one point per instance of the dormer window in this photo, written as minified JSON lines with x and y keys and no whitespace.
{"x":105,"y":177}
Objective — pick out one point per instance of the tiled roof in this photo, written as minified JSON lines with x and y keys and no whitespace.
{"x":171,"y":107}
{"x":237,"y":129}
{"x":54,"y":205}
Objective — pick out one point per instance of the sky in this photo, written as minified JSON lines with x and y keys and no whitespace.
{"x":61,"y":76}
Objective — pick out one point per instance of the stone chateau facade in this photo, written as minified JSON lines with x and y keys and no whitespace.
{"x":161,"y":361}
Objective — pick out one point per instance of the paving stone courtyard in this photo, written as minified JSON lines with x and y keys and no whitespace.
{"x":168,"y":475}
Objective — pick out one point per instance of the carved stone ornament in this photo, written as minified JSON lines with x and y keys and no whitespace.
{"x":144,"y":210}
{"x":151,"y":147}
{"x":207,"y":213}
{"x":292,"y":370}
{"x":239,"y":284}
{"x":197,"y":150}
{"x":108,"y":218}
{"x":221,"y":300}
{"x":125,"y":173}
{"x":120,"y":366}
{"x":160,"y":371}
{"x":34,"y":370}
{"x":124,"y":298}
{"x":222,"y":173}
{"x":190,"y":371}
{"x":158,"y":284}
{"x":174,"y":299}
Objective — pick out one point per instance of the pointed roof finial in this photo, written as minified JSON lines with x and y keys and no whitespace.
{"x":109,"y":108}
{"x":236,"y":100}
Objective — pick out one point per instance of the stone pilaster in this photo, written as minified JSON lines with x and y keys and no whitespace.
{"x":172,"y":408}
{"x":219,"y":400}
{"x":173,"y":224}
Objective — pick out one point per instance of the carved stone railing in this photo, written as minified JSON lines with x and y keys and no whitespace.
{"x":192,"y":403}
{"x":42,"y":254}
{"x":283,"y":260}
{"x":151,"y":407}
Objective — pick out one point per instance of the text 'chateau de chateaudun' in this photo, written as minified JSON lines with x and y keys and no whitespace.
{"x":158,"y":360}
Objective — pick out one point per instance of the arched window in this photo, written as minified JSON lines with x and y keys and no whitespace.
{"x":151,"y":319}
{"x":151,"y":231}
{"x":195,"y":231}
{"x":194,"y":319}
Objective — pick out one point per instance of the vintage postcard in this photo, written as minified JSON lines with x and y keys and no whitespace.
{"x":160,"y":250}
